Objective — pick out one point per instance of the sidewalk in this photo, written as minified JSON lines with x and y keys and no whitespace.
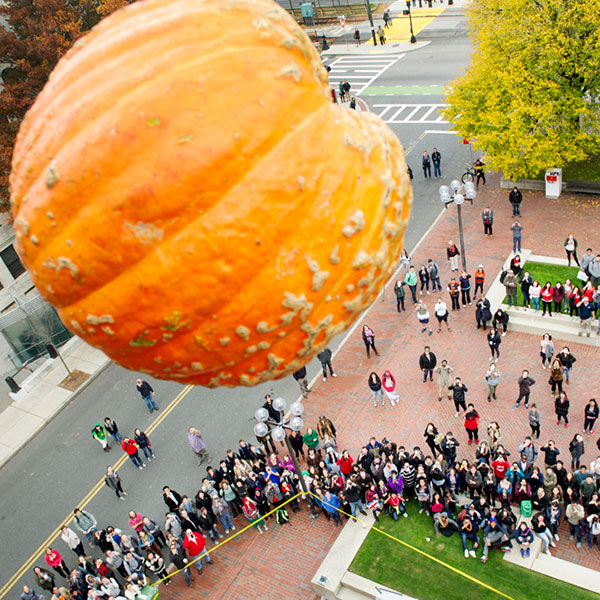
{"x":42,"y":398}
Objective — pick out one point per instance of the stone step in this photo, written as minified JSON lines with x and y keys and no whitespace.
{"x":569,"y":572}
{"x":561,"y":326}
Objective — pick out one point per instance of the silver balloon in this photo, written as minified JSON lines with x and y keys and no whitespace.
{"x":296,"y":424}
{"x":278,"y":434}
{"x":261,"y":414}
{"x":279,"y":404}
{"x":261,"y":429}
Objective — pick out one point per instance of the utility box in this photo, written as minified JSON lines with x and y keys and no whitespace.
{"x":553,"y":182}
{"x":307,"y":10}
{"x":149,"y":592}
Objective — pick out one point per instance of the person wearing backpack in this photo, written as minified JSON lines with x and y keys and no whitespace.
{"x":487,"y":216}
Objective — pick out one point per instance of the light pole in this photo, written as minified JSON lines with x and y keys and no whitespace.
{"x":447,"y":198}
{"x":370,"y":14}
{"x":413,"y":39}
{"x":293,"y":422}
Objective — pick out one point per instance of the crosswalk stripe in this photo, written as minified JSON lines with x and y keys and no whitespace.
{"x":360,"y":71}
{"x":410,"y":113}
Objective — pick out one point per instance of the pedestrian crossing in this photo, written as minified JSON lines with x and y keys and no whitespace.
{"x":359,"y":71}
{"x":410,"y":113}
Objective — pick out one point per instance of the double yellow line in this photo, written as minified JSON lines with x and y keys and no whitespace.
{"x":86,"y":499}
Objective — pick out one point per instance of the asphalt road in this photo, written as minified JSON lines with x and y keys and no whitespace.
{"x":54,"y":473}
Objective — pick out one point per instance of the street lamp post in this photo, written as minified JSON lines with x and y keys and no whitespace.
{"x":447,"y":198}
{"x":413,"y":39}
{"x":293,"y":421}
{"x":370,"y":14}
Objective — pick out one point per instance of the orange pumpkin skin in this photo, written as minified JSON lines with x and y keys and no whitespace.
{"x":192,"y":201}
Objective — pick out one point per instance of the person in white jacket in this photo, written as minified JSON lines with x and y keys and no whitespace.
{"x":389,"y":385}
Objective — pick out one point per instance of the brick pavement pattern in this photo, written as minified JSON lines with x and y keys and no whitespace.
{"x":280,"y":563}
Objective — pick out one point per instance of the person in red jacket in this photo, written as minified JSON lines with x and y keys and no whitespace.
{"x":479,"y":280}
{"x":55,"y":560}
{"x":472,"y":424}
{"x":500,"y":467}
{"x":388,"y":383}
{"x":195,"y":544}
{"x":345,"y":461}
{"x":131,"y":448}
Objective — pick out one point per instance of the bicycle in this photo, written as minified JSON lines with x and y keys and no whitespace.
{"x":469,"y":176}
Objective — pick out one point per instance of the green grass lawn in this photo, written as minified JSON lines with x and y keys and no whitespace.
{"x":389,"y":563}
{"x":585,"y":170}
{"x":552,"y":273}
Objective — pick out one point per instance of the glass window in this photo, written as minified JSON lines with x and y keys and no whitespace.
{"x":12,"y":261}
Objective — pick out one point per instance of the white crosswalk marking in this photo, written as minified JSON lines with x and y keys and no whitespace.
{"x":359,"y":71}
{"x":410,"y":113}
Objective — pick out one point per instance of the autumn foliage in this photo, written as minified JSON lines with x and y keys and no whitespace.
{"x":35,"y":34}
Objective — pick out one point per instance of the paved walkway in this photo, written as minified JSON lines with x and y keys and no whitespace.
{"x":280,"y":564}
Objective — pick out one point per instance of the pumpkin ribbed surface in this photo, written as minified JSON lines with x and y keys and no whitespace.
{"x":190,"y":199}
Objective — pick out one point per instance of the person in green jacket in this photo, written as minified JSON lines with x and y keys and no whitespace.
{"x":99,"y":434}
{"x":411,"y":280}
{"x":311,"y":438}
{"x":399,"y":289}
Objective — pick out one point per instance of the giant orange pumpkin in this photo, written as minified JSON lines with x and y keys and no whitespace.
{"x":187,"y":195}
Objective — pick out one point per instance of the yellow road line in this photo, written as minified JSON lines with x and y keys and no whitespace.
{"x":433,"y":558}
{"x":221,"y":544}
{"x":85,"y":501}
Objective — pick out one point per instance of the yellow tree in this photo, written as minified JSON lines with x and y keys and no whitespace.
{"x":531,"y":97}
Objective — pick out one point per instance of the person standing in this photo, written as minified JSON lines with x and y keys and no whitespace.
{"x":459,"y":391}
{"x":479,"y":168}
{"x":526,"y":283}
{"x":556,"y":376}
{"x":444,"y":373}
{"x":300,"y":377}
{"x":561,"y":408}
{"x":590,"y":416}
{"x":131,"y":449}
{"x":141,"y":439}
{"x":55,"y":560}
{"x":594,"y":271}
{"x":500,"y":320}
{"x":427,"y":363}
{"x":436,"y":159}
{"x":381,"y":35}
{"x":375,"y":387}
{"x":357,"y":36}
{"x":465,"y":288}
{"x":546,"y":349}
{"x":423,"y":316}
{"x":558,"y":296}
{"x":472,"y":424}
{"x":111,"y":427}
{"x":389,"y":385}
{"x":113,"y":481}
{"x":452,"y":253}
{"x":577,"y":450}
{"x":525,"y":382}
{"x":297,"y":443}
{"x":487,"y":216}
{"x":535,"y":292}
{"x":434,"y":275}
{"x":567,"y":360}
{"x":534,"y":421}
{"x":411,"y":281}
{"x":198,"y":445}
{"x":71,"y":539}
{"x":453,"y":290}
{"x":426,"y":165}
{"x":325,"y":359}
{"x":586,"y":313}
{"x":492,"y":378}
{"x":86,"y":523}
{"x":400,"y":294}
{"x":147,"y":393}
{"x":571,"y":249}
{"x":479,"y":281}
{"x":369,"y":340}
{"x":44,"y":578}
{"x":547,"y":294}
{"x":99,"y":434}
{"x":494,"y":341}
{"x":178,"y":557}
{"x":441,"y":314}
{"x":515,"y":197}
{"x":482,"y":312}
{"x":424,"y":279}
{"x":517,"y":230}
{"x":510,"y":283}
